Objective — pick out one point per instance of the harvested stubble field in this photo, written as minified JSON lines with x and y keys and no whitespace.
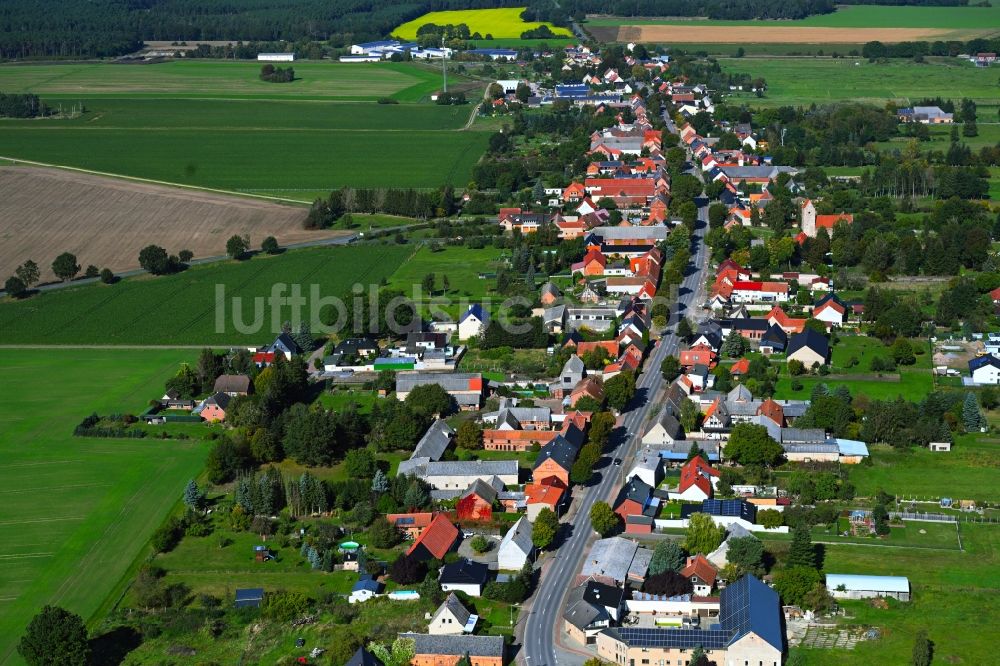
{"x":106,"y":221}
{"x":182,"y":309}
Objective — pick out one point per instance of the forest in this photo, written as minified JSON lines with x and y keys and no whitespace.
{"x":108,"y":28}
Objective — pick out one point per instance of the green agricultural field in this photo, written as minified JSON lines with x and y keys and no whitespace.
{"x":77,"y":512}
{"x":989,"y":135}
{"x":804,"y":81}
{"x":221,"y":79}
{"x":216,"y":125}
{"x":181,"y":309}
{"x":500,"y":23}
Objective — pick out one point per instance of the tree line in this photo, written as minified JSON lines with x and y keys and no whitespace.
{"x":421,"y":204}
{"x":917,"y":50}
{"x":713,"y":9}
{"x":22,"y":105}
{"x":108,"y":28}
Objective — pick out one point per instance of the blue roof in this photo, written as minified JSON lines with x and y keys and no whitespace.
{"x":682,"y":455}
{"x":366,"y":584}
{"x":374,"y":45}
{"x":852,"y":447}
{"x":749,"y":605}
{"x":730,"y":507}
{"x":476,"y":310}
{"x":982,"y":361}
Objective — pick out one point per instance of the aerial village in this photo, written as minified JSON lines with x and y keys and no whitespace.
{"x":667,"y":508}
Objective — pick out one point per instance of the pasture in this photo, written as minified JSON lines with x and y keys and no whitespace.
{"x":106,"y":221}
{"x":77,"y":512}
{"x":182,"y":309}
{"x":804,"y":81}
{"x":215,"y":125}
{"x":953,"y":598}
{"x":848,"y":25}
{"x":500,"y":23}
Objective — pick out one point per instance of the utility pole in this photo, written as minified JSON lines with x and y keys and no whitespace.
{"x":444,"y":65}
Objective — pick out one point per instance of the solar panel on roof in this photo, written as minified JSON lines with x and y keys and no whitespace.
{"x":681,"y":638}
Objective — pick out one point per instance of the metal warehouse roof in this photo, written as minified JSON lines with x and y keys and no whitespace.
{"x":860,"y":582}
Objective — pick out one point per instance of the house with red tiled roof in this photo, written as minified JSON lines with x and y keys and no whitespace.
{"x":830,"y":310}
{"x":610,"y":346}
{"x":789,"y":325}
{"x":740,"y":368}
{"x":593,"y":264}
{"x":772,"y":410}
{"x":698,"y":479}
{"x":811,"y":223}
{"x":574,"y":192}
{"x":701,"y":573}
{"x":698,"y":355}
{"x":588,"y":387}
{"x":625,"y":192}
{"x":411,"y":524}
{"x":436,"y":540}
{"x":545,"y":494}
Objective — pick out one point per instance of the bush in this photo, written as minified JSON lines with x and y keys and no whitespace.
{"x":107,"y":277}
{"x":480,"y":544}
{"x":167,"y":535}
{"x":284,"y":606}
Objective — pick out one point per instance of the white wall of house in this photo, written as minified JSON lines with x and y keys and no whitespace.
{"x":471,"y":590}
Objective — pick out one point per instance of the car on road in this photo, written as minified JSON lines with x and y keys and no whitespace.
{"x":617,"y":462}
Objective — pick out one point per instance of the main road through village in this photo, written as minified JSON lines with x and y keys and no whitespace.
{"x":544,"y":618}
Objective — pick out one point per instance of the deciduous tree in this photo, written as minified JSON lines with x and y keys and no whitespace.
{"x":667,"y":556}
{"x":603,"y":519}
{"x":703,"y":535}
{"x":55,"y":636}
{"x":65,"y":266}
{"x":544,"y":529}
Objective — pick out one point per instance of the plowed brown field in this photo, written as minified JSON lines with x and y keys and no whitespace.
{"x":105,"y":221}
{"x":729,"y":34}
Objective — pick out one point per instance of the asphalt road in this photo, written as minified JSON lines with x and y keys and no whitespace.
{"x":545,"y":616}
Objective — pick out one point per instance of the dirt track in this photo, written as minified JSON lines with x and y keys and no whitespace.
{"x":717,"y":34}
{"x":106,"y":221}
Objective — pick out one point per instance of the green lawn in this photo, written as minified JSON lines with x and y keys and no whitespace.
{"x":183,"y":308}
{"x":913,"y":381}
{"x":953,"y":597}
{"x":804,"y":81}
{"x":462,"y":265}
{"x":505,"y":22}
{"x":77,"y":511}
{"x":968,"y":471}
{"x":989,"y":135}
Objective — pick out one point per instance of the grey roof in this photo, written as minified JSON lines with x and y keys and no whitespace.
{"x":457,"y":381}
{"x":464,"y":572}
{"x":811,"y":339}
{"x":472,"y":468}
{"x":434,"y":442}
{"x":739,"y":393}
{"x":560,"y":449}
{"x":657,"y":232}
{"x":364,"y":658}
{"x":802,"y":436}
{"x":220,"y":399}
{"x":740,"y":172}
{"x":574,"y":365}
{"x":580,"y":612}
{"x":519,"y":536}
{"x":455,"y":607}
{"x":557,"y":313}
{"x":232,"y":383}
{"x":482,"y":489}
{"x":549,"y":288}
{"x":616,"y":558}
{"x":474,"y":646}
{"x":640,"y":492}
{"x":413,"y":467}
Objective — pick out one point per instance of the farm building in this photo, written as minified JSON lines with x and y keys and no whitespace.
{"x":275,"y":57}
{"x":857,"y":586}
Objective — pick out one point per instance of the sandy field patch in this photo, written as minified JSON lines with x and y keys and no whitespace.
{"x":711,"y":34}
{"x":105,"y":221}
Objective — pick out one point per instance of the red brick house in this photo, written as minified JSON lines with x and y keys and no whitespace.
{"x":698,"y":355}
{"x":214,"y":408}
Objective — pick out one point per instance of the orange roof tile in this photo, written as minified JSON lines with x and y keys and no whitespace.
{"x":438,"y":538}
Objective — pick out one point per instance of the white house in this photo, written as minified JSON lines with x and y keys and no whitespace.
{"x":516,"y":546}
{"x":452,"y":618}
{"x":985,"y":370}
{"x":509,"y":86}
{"x":665,"y":430}
{"x":275,"y":57}
{"x":473,"y":322}
{"x":364,"y":589}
